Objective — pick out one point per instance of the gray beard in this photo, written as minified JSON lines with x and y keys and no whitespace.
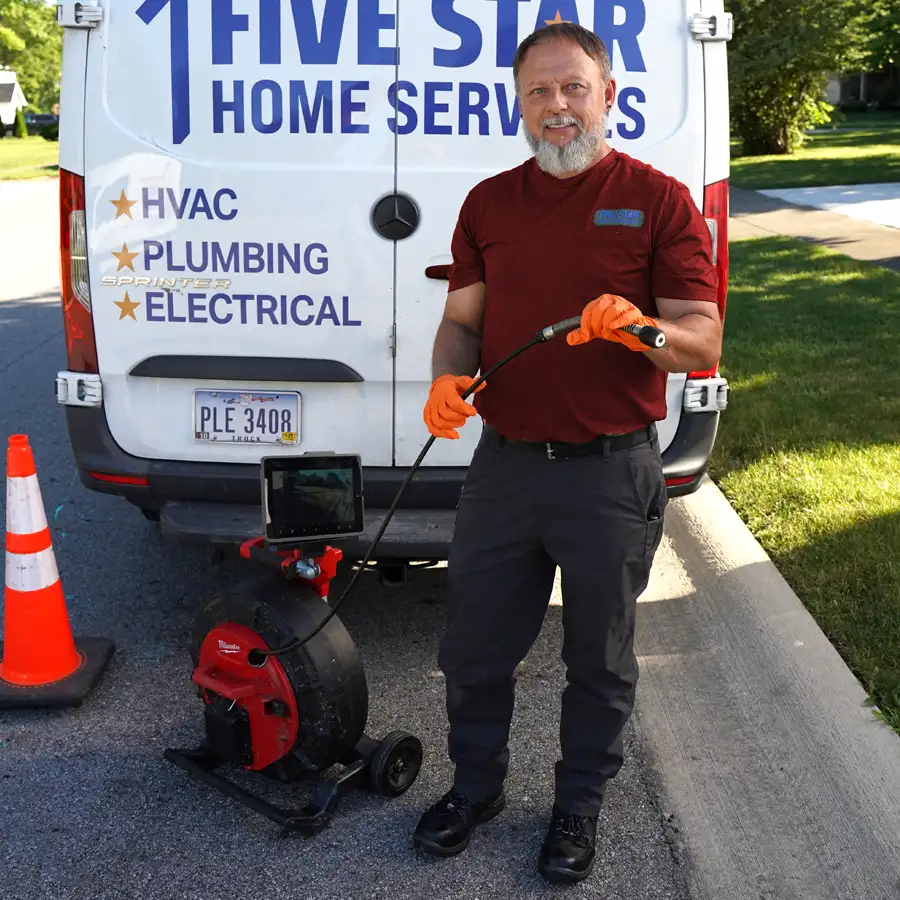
{"x":572,"y":158}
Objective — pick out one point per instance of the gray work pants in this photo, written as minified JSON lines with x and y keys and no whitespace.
{"x":599,"y":518}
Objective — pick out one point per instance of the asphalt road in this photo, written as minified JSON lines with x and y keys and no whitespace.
{"x":88,"y":806}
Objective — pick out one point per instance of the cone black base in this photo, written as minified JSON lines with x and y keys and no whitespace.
{"x":70,"y":691}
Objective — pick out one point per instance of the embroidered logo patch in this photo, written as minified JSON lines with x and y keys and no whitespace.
{"x":631,"y":218}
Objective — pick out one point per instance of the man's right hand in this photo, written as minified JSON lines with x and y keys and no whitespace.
{"x":445,"y":410}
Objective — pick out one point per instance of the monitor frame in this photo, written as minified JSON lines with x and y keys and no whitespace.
{"x":283,"y":534}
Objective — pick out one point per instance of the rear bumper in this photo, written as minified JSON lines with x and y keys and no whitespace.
{"x":412,"y":534}
{"x":218,"y":504}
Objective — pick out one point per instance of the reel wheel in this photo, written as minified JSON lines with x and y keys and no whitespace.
{"x":395,"y":764}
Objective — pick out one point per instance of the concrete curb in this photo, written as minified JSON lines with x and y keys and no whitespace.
{"x":783,"y":784}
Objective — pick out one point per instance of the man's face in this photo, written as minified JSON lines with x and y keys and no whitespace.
{"x":564,"y":106}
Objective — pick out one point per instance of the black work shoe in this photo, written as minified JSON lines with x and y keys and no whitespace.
{"x":446,"y":828}
{"x":568,"y":850}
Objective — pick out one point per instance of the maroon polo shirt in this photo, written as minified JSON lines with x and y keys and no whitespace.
{"x":545,"y":247}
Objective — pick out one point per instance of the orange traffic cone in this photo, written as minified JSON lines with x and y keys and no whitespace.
{"x":41,"y":663}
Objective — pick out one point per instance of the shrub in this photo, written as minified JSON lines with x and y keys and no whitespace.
{"x":20,"y":129}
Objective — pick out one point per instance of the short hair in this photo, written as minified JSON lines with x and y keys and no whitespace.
{"x":586,"y":39}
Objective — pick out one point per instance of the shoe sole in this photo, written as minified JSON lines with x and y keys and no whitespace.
{"x":433,"y":849}
{"x":564,"y":876}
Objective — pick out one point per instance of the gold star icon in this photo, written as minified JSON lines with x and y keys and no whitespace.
{"x":127,"y":307}
{"x":559,"y":20}
{"x":123,"y":206}
{"x":124,"y":257}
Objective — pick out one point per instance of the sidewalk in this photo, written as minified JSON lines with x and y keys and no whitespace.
{"x":777,"y":781}
{"x":877,"y":203}
{"x":755,"y":215}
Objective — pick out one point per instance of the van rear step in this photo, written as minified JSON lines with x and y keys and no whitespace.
{"x":413,"y":534}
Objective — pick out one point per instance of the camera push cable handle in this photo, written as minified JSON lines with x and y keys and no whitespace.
{"x":647,"y":334}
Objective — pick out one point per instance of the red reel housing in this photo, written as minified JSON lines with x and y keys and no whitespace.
{"x":260,"y":724}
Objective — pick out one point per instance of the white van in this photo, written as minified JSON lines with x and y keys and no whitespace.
{"x":257,"y":202}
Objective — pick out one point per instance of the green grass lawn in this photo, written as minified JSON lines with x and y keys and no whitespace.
{"x":869,"y":154}
{"x":30,"y":157}
{"x":808,"y":452}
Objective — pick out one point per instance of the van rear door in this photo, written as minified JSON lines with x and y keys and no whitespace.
{"x":458,"y":123}
{"x":243,"y":303}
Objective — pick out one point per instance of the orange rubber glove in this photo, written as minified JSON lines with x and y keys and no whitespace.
{"x":602,"y":317}
{"x":445,"y":410}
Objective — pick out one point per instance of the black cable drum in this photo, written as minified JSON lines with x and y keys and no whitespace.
{"x":325,"y":673}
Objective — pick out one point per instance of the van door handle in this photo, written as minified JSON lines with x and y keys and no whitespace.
{"x":441,"y":273}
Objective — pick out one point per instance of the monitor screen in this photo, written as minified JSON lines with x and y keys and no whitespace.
{"x":311,"y":497}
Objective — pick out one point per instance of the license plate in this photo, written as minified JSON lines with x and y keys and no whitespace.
{"x":247,"y":417}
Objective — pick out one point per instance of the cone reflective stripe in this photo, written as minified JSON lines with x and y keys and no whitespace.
{"x":28,"y":572}
{"x":42,"y":663}
{"x":26,"y":524}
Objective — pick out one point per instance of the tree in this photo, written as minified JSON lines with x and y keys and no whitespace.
{"x":779,"y":61}
{"x":883,"y":35}
{"x":31,"y":44}
{"x":20,"y":129}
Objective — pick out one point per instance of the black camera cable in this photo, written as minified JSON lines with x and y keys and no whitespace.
{"x":648,"y":334}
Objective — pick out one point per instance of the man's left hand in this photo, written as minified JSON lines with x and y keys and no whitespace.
{"x":605,"y":316}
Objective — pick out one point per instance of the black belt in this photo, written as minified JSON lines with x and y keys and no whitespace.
{"x":603,"y":444}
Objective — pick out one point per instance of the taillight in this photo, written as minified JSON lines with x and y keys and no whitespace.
{"x":138,"y":480}
{"x":715,"y":211}
{"x":81,"y":345}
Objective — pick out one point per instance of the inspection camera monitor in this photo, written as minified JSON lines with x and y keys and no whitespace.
{"x":313,"y":497}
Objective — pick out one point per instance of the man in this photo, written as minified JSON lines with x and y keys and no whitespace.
{"x":568,"y":470}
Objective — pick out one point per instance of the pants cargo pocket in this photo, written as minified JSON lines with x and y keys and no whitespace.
{"x":649,"y":489}
{"x":654,"y":533}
